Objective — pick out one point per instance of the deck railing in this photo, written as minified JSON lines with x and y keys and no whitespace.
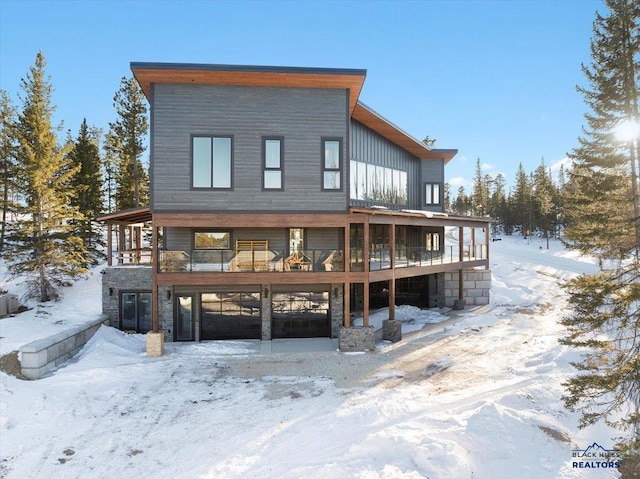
{"x":380,"y":256}
{"x":308,"y":260}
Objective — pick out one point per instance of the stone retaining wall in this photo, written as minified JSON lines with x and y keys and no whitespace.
{"x":39,"y":357}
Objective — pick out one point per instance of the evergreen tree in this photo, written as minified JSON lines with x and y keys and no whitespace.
{"x":8,"y":163}
{"x":130,"y":129}
{"x":480,"y":195}
{"x":43,"y":246}
{"x":462,"y":205}
{"x":87,"y":192}
{"x":544,"y":200}
{"x":498,"y":204}
{"x":601,"y":205}
{"x":447,"y":197}
{"x":520,"y":203}
{"x":110,"y":168}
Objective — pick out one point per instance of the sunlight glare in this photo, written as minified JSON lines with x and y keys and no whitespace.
{"x":627,"y":130}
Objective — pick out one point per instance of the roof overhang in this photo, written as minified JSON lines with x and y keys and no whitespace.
{"x":130,"y":216}
{"x":391,"y":132}
{"x":295,"y":77}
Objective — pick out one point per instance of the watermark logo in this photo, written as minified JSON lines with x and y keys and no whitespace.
{"x":595,"y":457}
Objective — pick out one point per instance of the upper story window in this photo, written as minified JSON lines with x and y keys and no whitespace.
{"x":432,"y":193}
{"x":378,"y":183}
{"x":331,"y":163}
{"x":211,"y":161}
{"x":272,"y":163}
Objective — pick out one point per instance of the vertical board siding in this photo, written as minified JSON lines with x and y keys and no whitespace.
{"x":432,"y":172}
{"x":301,"y":115}
{"x":369,"y":147}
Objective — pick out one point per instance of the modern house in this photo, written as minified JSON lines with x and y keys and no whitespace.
{"x":280,"y":205}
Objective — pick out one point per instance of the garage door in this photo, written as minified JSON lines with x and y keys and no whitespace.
{"x":300,"y":315}
{"x":230,"y":316}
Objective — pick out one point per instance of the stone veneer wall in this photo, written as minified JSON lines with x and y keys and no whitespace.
{"x":336,"y":302}
{"x":476,"y":287}
{"x":122,"y":278}
{"x":138,"y":278}
{"x":266,"y":312}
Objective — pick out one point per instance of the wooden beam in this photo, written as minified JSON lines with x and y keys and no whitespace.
{"x":486,"y":242}
{"x":109,"y":243}
{"x":365,"y":296}
{"x":346,"y":298}
{"x":250,"y":220}
{"x":392,"y":280}
{"x":155,"y":303}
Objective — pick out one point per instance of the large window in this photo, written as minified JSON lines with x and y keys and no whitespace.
{"x":331,"y":164}
{"x":272,"y":159}
{"x":212,"y":240}
{"x":212,"y":162}
{"x":432,"y":194}
{"x":378,"y":183}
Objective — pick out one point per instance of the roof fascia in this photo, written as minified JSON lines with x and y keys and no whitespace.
{"x":246,"y":75}
{"x":393,"y":133}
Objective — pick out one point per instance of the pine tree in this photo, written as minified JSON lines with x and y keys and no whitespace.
{"x":9,"y":167}
{"x":521,"y":201}
{"x":44,"y":249}
{"x":110,"y":168}
{"x":480,"y":195}
{"x":601,"y":205}
{"x":130,"y":129}
{"x":447,"y":197}
{"x":544,"y":200}
{"x":87,"y":192}
{"x":498,"y":204}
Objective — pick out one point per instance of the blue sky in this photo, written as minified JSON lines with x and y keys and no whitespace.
{"x":494,"y":79}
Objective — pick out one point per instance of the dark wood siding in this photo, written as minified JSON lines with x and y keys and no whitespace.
{"x":315,"y":238}
{"x":370,"y":147}
{"x":302,"y":116}
{"x":432,"y":172}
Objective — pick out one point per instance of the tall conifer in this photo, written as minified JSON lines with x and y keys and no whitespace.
{"x":600,"y":203}
{"x":44,"y":249}
{"x":130,"y":129}
{"x":87,"y":192}
{"x":8,"y":163}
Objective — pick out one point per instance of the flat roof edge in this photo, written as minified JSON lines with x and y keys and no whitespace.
{"x":246,"y":68}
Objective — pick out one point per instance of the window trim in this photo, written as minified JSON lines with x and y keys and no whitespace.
{"x":433,"y":201}
{"x":264,"y":162}
{"x":212,"y":136}
{"x":323,"y":169}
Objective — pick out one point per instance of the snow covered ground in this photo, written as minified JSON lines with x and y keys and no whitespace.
{"x":476,"y":397}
